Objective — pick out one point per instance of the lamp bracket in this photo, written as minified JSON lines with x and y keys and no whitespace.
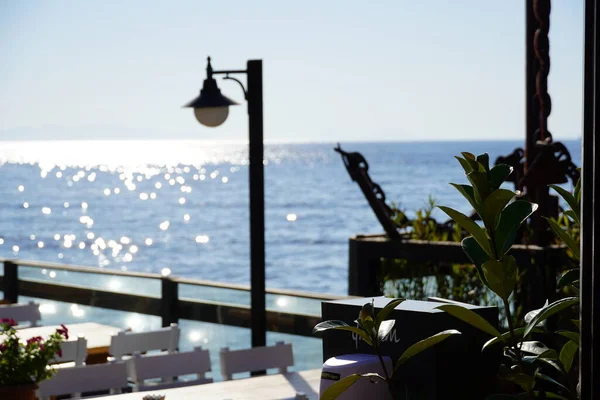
{"x":241,"y":85}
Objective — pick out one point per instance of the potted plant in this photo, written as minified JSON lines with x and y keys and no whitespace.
{"x":373,"y":329}
{"x":538,"y":357}
{"x":23,"y":364}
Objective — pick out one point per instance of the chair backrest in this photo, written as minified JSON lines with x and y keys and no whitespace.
{"x":87,"y":378}
{"x":29,"y":312}
{"x":256,"y":359}
{"x":168,"y":366}
{"x":125,"y":343}
{"x":72,"y":351}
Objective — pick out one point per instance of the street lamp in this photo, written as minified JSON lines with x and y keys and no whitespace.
{"x":211,"y":109}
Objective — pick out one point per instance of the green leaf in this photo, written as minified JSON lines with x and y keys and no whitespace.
{"x":385,"y":328}
{"x":481,"y":185}
{"x":577,"y":191}
{"x":467,"y":192}
{"x":423,"y":345}
{"x":341,"y":326}
{"x":549,"y":354}
{"x":567,"y":354}
{"x":509,"y":222}
{"x":526,"y":382}
{"x":574,"y":336}
{"x":568,"y":278}
{"x":494,"y":274}
{"x":484,"y":159}
{"x":549,"y":395}
{"x":511,"y":270}
{"x":571,"y":214}
{"x":577,"y":323}
{"x":501,"y":277}
{"x":493,"y":204}
{"x":477,"y":255}
{"x":498,"y":175}
{"x":550,"y":310}
{"x":529,"y":316}
{"x":467,"y":224}
{"x":470,"y":317}
{"x":385,"y":311}
{"x":533,"y":347}
{"x":368,"y":324}
{"x":336,"y":390}
{"x":553,"y":362}
{"x":506,"y":337}
{"x":565,"y":237}
{"x":464,"y":164}
{"x":569,"y":198}
{"x":467,"y":155}
{"x":551,"y":380}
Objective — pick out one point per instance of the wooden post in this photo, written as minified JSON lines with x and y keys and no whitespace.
{"x":362,"y":271}
{"x":11,"y":282}
{"x":169,"y":306}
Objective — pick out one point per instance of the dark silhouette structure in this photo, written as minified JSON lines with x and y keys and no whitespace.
{"x":211,"y":100}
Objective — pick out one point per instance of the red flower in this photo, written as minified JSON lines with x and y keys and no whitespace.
{"x":64,"y":331}
{"x":8,"y":321}
{"x":36,"y":339}
{"x":59,"y":351}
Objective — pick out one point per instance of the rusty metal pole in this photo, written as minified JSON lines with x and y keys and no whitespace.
{"x":531,"y":120}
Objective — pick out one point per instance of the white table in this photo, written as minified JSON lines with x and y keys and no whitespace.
{"x":97,"y":335}
{"x":269,"y":387}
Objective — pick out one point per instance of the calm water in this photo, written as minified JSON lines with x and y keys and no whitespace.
{"x":147,"y":206}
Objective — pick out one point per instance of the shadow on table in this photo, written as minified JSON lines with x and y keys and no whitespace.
{"x":300,"y":385}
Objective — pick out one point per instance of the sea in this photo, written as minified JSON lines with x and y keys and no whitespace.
{"x":181,"y":208}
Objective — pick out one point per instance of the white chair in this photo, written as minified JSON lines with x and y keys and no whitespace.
{"x":74,"y":353}
{"x":85,"y":379}
{"x":126,"y":343}
{"x":29,"y":312}
{"x":168,"y":366}
{"x":279,"y":356}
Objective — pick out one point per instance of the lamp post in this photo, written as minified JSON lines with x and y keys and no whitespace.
{"x":211,"y":109}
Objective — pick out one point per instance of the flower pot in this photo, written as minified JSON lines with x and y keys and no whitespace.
{"x":18,"y":392}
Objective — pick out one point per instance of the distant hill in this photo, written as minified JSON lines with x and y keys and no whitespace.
{"x":54,"y":132}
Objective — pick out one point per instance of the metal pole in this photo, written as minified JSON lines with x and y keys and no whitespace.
{"x":589,"y":362}
{"x":11,"y":282}
{"x":169,"y":301}
{"x":257,"y":204}
{"x":531,"y":116}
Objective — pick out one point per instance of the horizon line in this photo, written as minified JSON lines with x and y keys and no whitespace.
{"x":274,"y":141}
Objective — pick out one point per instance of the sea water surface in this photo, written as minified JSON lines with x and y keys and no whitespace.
{"x":182,"y":206}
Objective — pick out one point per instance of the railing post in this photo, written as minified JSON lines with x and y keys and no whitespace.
{"x":362,"y":271}
{"x":11,"y":282}
{"x":169,"y":305}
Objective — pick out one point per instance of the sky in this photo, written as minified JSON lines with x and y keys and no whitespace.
{"x":386,"y":70}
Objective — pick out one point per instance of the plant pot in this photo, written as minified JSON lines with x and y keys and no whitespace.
{"x":19,"y":392}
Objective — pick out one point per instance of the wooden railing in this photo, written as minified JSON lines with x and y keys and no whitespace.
{"x":366,"y":252}
{"x":169,"y":306}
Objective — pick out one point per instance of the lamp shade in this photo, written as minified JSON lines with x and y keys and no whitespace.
{"x":211,"y":107}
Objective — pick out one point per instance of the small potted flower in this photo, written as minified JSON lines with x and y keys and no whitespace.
{"x":23,"y":364}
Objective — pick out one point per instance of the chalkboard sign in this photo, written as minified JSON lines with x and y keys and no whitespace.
{"x":453,"y":369}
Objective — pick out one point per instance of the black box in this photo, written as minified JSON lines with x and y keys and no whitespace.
{"x":452,"y":369}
